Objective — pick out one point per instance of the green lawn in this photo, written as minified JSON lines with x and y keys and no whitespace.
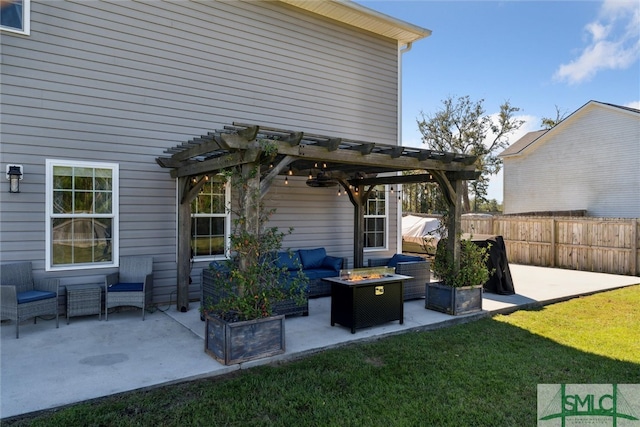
{"x":483,"y":373}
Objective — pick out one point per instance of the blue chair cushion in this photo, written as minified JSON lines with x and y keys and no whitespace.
{"x":312,"y":258}
{"x":31,"y":296}
{"x":290,"y":261}
{"x":393,"y":262}
{"x":125,"y":287}
{"x":332,"y":263}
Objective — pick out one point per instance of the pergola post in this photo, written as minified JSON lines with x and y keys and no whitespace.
{"x":184,"y":245}
{"x":250,"y":201}
{"x":358,"y":230}
{"x":454,"y":226}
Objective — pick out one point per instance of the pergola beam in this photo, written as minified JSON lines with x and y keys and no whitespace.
{"x":353,"y":157}
{"x":217,"y":164}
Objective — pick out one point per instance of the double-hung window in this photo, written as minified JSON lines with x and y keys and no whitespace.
{"x":375,"y":219}
{"x":82,"y":214}
{"x":210,"y":220}
{"x":15,"y":16}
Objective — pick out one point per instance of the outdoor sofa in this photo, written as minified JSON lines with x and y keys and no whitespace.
{"x":316,"y":265}
{"x":408,"y":265}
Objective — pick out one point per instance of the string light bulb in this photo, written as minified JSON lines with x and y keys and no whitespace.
{"x":286,"y":180}
{"x":290,"y":171}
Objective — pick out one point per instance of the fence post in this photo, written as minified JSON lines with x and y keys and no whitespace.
{"x":553,"y":243}
{"x":634,"y":247}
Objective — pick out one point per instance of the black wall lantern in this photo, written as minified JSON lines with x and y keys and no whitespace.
{"x":14,"y":176}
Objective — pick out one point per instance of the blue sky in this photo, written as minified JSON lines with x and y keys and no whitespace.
{"x":535,"y":54}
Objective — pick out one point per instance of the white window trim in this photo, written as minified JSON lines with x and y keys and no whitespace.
{"x":386,"y":223}
{"x":115,"y":232}
{"x":227,"y":230}
{"x":26,"y":20}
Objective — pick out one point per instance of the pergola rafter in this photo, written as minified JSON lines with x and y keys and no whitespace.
{"x":357,"y":166}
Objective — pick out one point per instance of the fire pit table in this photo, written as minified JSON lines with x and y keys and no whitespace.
{"x":366,"y":297}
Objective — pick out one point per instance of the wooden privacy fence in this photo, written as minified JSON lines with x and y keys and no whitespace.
{"x":605,"y":245}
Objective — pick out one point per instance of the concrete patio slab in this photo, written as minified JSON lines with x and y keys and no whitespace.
{"x":47,"y":367}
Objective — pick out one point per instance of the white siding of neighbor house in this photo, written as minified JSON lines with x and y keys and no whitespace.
{"x":123,"y":81}
{"x":591,"y":161}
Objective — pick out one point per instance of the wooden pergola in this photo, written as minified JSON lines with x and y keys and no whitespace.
{"x":357,"y":166}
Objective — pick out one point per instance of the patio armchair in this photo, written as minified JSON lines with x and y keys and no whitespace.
{"x":22,"y":297}
{"x":408,"y":265}
{"x":131,"y":286}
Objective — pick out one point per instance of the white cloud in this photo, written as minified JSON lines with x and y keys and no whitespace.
{"x":633,"y":104}
{"x":614,"y":42}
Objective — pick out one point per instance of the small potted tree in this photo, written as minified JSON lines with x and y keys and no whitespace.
{"x":240,"y":323}
{"x":459,"y":290}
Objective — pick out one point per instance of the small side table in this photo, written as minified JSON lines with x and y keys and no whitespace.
{"x":84,"y":300}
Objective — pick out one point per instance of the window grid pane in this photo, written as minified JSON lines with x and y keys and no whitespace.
{"x":209,"y":220}
{"x":12,"y":15}
{"x":82,"y":215}
{"x":375,"y":219}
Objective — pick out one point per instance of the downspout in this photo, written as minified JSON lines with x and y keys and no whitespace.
{"x":407,"y":47}
{"x":401,"y":50}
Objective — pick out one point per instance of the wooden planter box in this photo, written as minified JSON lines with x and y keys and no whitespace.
{"x":237,"y":342}
{"x":453,"y":301}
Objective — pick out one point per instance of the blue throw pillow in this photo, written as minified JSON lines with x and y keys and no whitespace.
{"x":332,"y":263}
{"x":393,"y":262}
{"x":312,"y":258}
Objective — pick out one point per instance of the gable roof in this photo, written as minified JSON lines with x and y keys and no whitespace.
{"x":351,"y":13}
{"x":531,"y":138}
{"x":523,"y":143}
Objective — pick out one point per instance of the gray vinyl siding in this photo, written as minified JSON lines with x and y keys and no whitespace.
{"x":123,"y":81}
{"x":591,"y":162}
{"x":328,"y":218}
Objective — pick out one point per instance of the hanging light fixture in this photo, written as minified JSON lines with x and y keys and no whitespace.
{"x":14,"y":176}
{"x":286,"y":180}
{"x":290,"y":171}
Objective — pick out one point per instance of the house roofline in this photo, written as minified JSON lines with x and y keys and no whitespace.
{"x":354,"y":14}
{"x":514,"y":150}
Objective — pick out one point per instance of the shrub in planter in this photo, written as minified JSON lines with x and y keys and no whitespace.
{"x":249,"y":284}
{"x":473,"y":265}
{"x":458,"y":291}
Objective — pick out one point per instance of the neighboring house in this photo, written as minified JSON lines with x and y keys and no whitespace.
{"x":93,"y":92}
{"x":590,"y":161}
